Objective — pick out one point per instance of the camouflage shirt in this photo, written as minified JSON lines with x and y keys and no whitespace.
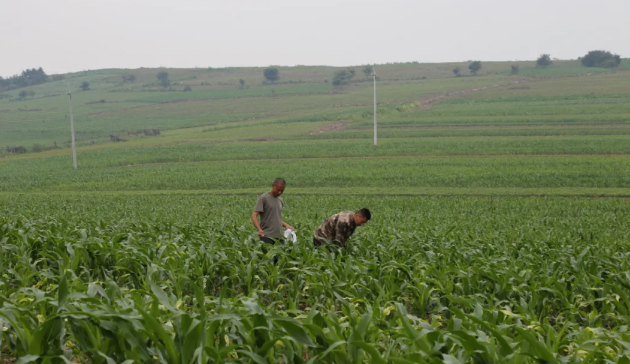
{"x":337,"y":228}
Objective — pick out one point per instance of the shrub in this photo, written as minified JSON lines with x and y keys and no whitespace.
{"x":544,"y":61}
{"x":474,"y":67}
{"x":271,"y":74}
{"x":601,"y":59}
{"x":343,"y":77}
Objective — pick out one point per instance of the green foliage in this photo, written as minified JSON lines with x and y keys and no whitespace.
{"x":368,"y":71}
{"x":272,"y":74}
{"x":28,"y":77}
{"x":602,"y":59}
{"x":119,"y":278}
{"x":145,"y":253}
{"x":343,"y":77}
{"x":544,"y":61}
{"x":162,"y":77}
{"x":457,"y":71}
{"x":241,"y":84}
{"x":85,"y":86}
{"x":57,"y":77}
{"x":474,"y":67}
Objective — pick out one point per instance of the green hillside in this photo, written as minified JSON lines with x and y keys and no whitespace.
{"x":498,"y":235}
{"x":113,"y":106}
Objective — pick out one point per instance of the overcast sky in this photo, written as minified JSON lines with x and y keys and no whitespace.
{"x":75,"y":35}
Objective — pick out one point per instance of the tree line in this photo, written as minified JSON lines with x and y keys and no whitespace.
{"x":36,"y":76}
{"x":28,"y":77}
{"x":600,"y":59}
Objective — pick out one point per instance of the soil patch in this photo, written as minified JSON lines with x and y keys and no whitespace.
{"x":338,"y":125}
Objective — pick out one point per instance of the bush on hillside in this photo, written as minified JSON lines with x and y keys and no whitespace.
{"x":603,"y":59}
{"x":474,"y":67}
{"x":162,"y":76}
{"x":368,"y":71}
{"x":343,"y":77}
{"x":544,"y":61}
{"x":271,"y":74}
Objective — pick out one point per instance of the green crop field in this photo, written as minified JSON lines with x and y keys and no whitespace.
{"x":499,"y":232}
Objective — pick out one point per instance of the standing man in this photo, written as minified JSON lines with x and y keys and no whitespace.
{"x":269,"y":208}
{"x":338,"y":228}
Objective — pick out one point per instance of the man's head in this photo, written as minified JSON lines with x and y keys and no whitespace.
{"x":277,"y":188}
{"x":362,"y":216}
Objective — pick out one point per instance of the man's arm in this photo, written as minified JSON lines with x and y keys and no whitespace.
{"x":256,"y":224}
{"x":287,"y":226}
{"x":260,"y":207}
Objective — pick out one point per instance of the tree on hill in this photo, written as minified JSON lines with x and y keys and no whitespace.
{"x":162,"y":76}
{"x":515,"y":69}
{"x":34,"y":76}
{"x":368,"y":71}
{"x":474,"y":67}
{"x":85,"y":86}
{"x":343,"y":77}
{"x":544,"y":61}
{"x":272,"y":74}
{"x":242,"y":83}
{"x":457,"y":72}
{"x":28,"y":77}
{"x":22,"y":95}
{"x":603,"y":59}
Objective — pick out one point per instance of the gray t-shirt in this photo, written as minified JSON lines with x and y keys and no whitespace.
{"x":270,"y":209}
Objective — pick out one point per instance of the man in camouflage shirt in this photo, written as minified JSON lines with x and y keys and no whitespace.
{"x":338,"y":228}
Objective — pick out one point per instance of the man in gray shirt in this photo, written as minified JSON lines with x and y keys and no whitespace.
{"x":269,"y":208}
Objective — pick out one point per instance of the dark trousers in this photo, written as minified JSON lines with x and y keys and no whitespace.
{"x":319,"y":242}
{"x":271,"y":241}
{"x":267,"y":240}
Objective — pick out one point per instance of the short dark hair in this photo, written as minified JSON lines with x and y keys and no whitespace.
{"x":365,"y":213}
{"x":279,"y":182}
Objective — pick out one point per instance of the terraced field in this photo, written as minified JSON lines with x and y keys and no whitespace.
{"x":499,"y":230}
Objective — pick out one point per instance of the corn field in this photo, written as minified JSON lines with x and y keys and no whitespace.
{"x":443,"y":280}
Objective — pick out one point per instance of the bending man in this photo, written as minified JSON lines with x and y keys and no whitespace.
{"x":269,"y":208}
{"x":338,"y":228}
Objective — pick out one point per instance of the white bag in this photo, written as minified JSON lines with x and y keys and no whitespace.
{"x":290,"y":235}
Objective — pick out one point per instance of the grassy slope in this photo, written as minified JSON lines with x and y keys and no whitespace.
{"x":487,"y":141}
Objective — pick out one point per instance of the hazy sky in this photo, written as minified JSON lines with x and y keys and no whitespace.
{"x":74,"y":35}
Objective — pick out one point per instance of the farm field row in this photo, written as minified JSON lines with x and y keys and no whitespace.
{"x":397,"y":175}
{"x":429,"y":280}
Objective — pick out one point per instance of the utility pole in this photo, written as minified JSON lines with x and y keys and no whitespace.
{"x":74,"y":147}
{"x":374,"y":75}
